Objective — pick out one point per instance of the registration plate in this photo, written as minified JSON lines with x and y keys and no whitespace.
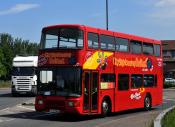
{"x":54,"y":111}
{"x":47,"y":93}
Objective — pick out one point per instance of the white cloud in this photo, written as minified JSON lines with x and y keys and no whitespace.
{"x":165,"y":14}
{"x":18,"y":8}
{"x":163,"y":10}
{"x":165,"y":3}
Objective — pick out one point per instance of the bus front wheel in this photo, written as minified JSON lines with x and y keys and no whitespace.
{"x":105,"y":108}
{"x":147,"y":103}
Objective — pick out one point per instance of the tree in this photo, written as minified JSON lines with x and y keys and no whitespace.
{"x":7,"y":51}
{"x":9,"y":48}
{"x":2,"y":67}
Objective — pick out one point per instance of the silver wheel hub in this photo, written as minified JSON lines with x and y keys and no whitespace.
{"x":105,"y":106}
{"x":147,"y":102}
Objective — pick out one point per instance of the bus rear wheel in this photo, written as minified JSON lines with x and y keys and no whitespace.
{"x":147,"y":103}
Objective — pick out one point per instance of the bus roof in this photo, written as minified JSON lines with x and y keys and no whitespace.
{"x":107,"y":32}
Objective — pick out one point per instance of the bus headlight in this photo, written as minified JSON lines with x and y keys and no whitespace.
{"x":73,"y":103}
{"x":40,"y":102}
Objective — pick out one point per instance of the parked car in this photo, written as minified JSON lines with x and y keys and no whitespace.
{"x":169,"y":80}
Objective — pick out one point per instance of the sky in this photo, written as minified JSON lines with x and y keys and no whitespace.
{"x":149,"y":18}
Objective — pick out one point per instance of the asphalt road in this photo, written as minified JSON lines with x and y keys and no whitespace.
{"x":24,"y":116}
{"x":6,"y":100}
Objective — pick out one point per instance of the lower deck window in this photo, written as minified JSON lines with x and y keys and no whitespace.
{"x":123,"y":81}
{"x":107,"y":81}
{"x":136,"y":81}
{"x":149,"y":81}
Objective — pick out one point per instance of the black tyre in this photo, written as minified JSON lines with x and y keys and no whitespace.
{"x":147,"y":103}
{"x":105,"y":108}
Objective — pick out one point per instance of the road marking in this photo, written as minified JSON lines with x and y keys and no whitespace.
{"x":169,"y":99}
{"x":6,"y":120}
{"x":5,"y":109}
{"x":20,"y":106}
{"x":35,"y":116}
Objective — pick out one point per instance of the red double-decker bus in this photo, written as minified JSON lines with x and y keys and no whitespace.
{"x":85,"y":70}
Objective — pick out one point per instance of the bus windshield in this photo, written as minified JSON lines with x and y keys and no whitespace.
{"x":64,"y":38}
{"x":60,"y":82}
{"x":23,"y":71}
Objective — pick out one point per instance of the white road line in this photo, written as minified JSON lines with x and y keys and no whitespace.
{"x":6,"y":120}
{"x":5,"y":109}
{"x":20,"y":106}
{"x":169,"y":99}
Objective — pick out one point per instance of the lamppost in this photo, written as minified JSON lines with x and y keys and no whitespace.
{"x":106,"y":14}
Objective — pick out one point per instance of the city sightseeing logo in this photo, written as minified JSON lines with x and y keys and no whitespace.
{"x":146,"y":63}
{"x":102,"y":60}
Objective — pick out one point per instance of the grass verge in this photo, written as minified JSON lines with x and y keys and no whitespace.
{"x":5,"y":84}
{"x":169,"y":119}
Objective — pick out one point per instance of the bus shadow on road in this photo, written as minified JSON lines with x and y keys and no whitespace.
{"x":17,"y":96}
{"x":49,"y":116}
{"x":68,"y":118}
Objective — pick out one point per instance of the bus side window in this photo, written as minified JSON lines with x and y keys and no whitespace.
{"x":107,"y":42}
{"x":157,"y":50}
{"x":136,"y":81}
{"x":135,"y":47}
{"x":155,"y":81}
{"x":107,"y":81}
{"x":123,"y":82}
{"x":93,"y":40}
{"x":122,"y":44}
{"x":149,"y":80}
{"x":148,"y":48}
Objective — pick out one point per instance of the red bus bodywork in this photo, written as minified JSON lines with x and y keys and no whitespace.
{"x":95,"y":62}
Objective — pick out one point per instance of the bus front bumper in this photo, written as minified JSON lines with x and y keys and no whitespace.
{"x":62,"y":106}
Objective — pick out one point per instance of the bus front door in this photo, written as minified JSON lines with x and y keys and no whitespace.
{"x":90,"y":98}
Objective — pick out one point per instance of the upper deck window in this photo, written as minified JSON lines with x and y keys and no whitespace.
{"x":107,"y":42}
{"x":92,"y":40}
{"x":148,"y":49}
{"x":122,"y":44}
{"x":157,"y":50}
{"x":62,"y":38}
{"x":136,"y":47}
